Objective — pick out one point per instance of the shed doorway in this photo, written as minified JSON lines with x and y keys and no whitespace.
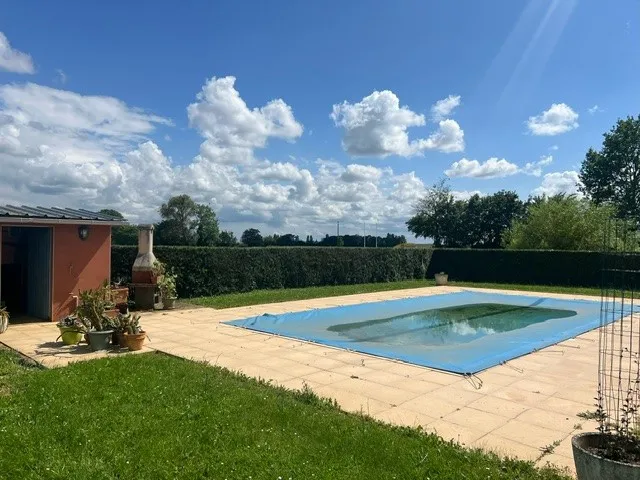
{"x":25,"y":272}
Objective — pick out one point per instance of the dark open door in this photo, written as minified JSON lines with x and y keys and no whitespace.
{"x":39,"y":272}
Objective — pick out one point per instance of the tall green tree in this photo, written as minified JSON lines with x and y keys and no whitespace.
{"x":478,"y":222}
{"x":252,"y":238}
{"x":437,"y":216}
{"x":185,"y":222}
{"x":121,"y":234}
{"x":612,"y":175}
{"x":227,"y":239}
{"x":207,"y":231}
{"x":560,"y":222}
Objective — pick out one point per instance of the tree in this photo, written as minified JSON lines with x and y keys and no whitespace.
{"x":207,"y":231}
{"x":478,"y":222}
{"x":185,"y":222}
{"x":560,"y":222}
{"x":436,"y":216}
{"x":252,"y":238}
{"x":487,"y":218}
{"x":612,"y":175}
{"x":227,"y":239}
{"x":121,"y":234}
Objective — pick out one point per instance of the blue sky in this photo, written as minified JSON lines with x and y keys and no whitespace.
{"x":120,"y":133}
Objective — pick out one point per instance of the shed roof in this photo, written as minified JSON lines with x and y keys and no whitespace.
{"x":25,"y":214}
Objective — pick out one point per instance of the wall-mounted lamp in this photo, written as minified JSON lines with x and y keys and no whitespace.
{"x":83,"y":232}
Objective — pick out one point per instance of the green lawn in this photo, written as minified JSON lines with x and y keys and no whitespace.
{"x":257,"y":297}
{"x":153,"y":416}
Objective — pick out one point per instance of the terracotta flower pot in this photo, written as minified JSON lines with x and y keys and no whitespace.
{"x":121,"y":340}
{"x":135,"y":341}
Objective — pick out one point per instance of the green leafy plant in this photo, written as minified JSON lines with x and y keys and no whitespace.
{"x":91,"y":309}
{"x":74,"y":323}
{"x":132,"y":325}
{"x":167,"y":285}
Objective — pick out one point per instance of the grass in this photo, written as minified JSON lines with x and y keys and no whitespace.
{"x":257,"y":297}
{"x":158,"y":417}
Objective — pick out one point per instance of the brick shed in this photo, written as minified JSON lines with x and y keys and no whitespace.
{"x":47,"y":255}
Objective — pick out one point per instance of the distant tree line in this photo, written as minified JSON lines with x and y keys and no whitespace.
{"x":185,"y":222}
{"x":610,"y":182}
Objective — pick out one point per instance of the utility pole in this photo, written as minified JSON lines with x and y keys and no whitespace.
{"x":364,"y":232}
{"x":376,"y":234}
{"x":338,"y":234}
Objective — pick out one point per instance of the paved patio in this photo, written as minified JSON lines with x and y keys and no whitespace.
{"x":515,"y":409}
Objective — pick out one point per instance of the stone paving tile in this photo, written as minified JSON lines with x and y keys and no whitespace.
{"x":455,"y":395}
{"x":547,"y":419}
{"x":427,"y":405}
{"x":404,"y":417}
{"x":528,"y":434}
{"x":464,"y":435}
{"x":384,"y":393}
{"x":506,"y":447}
{"x":498,"y":406}
{"x":483,"y":421}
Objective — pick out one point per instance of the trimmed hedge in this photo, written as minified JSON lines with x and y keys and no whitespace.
{"x":204,"y":271}
{"x":542,"y":267}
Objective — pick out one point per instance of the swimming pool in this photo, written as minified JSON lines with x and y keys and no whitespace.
{"x":464,"y":332}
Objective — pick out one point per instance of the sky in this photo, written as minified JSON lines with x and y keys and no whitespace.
{"x":292,"y":116}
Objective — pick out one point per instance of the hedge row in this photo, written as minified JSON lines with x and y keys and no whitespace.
{"x":206,"y":271}
{"x":209,"y":271}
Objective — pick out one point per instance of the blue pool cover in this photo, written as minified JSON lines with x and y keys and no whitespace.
{"x":395,"y":328}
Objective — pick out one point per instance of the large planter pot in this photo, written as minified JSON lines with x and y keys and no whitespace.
{"x":4,"y":323}
{"x":112,"y":312}
{"x":70,"y":335}
{"x":122,"y":342}
{"x":442,"y":279}
{"x":119,"y":294}
{"x":169,"y":303}
{"x":99,"y":340}
{"x":590,"y":466}
{"x":135,"y":341}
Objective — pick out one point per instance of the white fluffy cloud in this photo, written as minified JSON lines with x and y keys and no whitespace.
{"x":12,"y":60}
{"x":492,"y":168}
{"x":222,"y":116}
{"x":443,"y":108}
{"x":465,"y":194}
{"x":361,"y":173}
{"x":377,"y":126}
{"x":595,"y":109}
{"x":559,"y":118}
{"x":559,"y":182}
{"x":61,"y":148}
{"x":535,"y":168}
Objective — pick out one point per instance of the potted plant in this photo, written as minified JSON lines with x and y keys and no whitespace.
{"x":119,"y":292}
{"x":613,"y":452}
{"x":157,"y":271}
{"x":71,"y":330}
{"x":442,"y":278}
{"x":91,"y":310}
{"x":4,"y":319}
{"x":168,"y":292}
{"x":134,"y":335}
{"x":122,"y":323}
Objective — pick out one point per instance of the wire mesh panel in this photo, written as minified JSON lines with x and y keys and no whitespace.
{"x":619,"y":342}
